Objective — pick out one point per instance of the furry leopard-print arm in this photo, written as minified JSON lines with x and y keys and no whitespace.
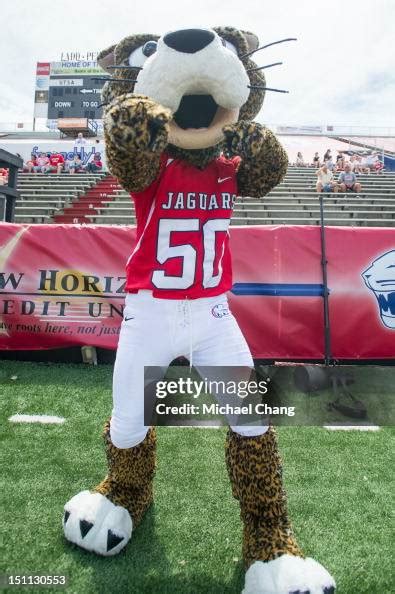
{"x":136,"y":134}
{"x":264,"y":161}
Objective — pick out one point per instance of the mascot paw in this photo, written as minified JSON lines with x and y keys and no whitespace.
{"x":244,"y":138}
{"x":94,"y":523}
{"x":138,"y":123}
{"x":288,"y":575}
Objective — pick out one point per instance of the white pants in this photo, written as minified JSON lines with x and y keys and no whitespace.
{"x":156,"y":331}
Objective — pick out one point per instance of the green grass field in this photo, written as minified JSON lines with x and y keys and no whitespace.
{"x":340,"y":489}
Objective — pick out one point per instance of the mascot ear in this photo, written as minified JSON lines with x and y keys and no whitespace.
{"x":107,"y":58}
{"x":251,"y":39}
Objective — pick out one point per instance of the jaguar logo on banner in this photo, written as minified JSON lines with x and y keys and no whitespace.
{"x":380,"y":278}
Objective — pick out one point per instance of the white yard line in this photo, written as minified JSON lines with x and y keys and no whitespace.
{"x":44,"y":419}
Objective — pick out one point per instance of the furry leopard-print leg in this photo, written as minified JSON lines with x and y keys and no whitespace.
{"x":274,"y":561}
{"x":102,"y":520}
{"x":254,"y":468}
{"x":129,"y":482}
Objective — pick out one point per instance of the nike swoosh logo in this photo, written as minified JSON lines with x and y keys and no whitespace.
{"x":222,"y":179}
{"x":127,"y":319}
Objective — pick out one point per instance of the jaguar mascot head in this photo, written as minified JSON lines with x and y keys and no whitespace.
{"x":192,"y":93}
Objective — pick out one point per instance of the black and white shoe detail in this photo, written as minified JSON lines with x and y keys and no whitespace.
{"x":288,"y":575}
{"x":92,"y":522}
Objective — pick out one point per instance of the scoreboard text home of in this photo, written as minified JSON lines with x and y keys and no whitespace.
{"x":68,"y":89}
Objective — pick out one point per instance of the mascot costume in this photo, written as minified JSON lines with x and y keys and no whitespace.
{"x":180,"y":137}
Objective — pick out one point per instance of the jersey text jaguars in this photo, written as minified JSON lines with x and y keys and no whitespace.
{"x":183,"y":218}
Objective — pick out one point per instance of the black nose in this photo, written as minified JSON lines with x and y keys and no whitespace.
{"x":189,"y":41}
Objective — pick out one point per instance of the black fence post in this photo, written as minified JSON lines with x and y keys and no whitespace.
{"x":324,"y":262}
{"x":12,"y":163}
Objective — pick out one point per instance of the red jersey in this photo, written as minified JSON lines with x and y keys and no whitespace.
{"x":56,"y":159}
{"x":183,"y":217}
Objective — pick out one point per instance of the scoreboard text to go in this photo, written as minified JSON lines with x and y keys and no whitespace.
{"x":90,"y":104}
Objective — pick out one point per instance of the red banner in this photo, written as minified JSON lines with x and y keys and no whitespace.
{"x":43,"y":68}
{"x":63,"y":285}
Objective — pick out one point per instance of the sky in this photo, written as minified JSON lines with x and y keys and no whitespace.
{"x":339,"y":72}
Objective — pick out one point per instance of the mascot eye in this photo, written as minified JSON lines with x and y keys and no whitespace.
{"x":140,"y":54}
{"x":149,"y":48}
{"x":229,"y":45}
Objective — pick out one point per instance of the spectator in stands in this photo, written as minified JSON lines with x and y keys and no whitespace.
{"x":68,"y":163}
{"x":299,"y":160}
{"x":316,"y":160}
{"x":348,"y":180}
{"x":339,"y":160}
{"x":56,"y":163}
{"x":97,"y":145}
{"x":373,"y":163}
{"x":369,"y":163}
{"x":346,"y":161}
{"x":42,"y":162}
{"x":327,"y":155}
{"x":3,"y":176}
{"x":357,"y":165}
{"x":79,"y":142}
{"x":31,"y":166}
{"x":378,"y":164}
{"x":330,"y":164}
{"x":95,"y":165}
{"x":364,"y":163}
{"x":325,"y":181}
{"x":75,"y":165}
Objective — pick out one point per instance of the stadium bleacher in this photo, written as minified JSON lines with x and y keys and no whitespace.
{"x":294,"y":201}
{"x":44,"y":196}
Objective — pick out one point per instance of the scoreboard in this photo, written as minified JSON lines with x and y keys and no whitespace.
{"x":68,"y":89}
{"x":71,"y":97}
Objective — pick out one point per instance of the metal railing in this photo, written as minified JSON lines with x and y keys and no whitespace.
{"x":309,"y":130}
{"x":335,"y":130}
